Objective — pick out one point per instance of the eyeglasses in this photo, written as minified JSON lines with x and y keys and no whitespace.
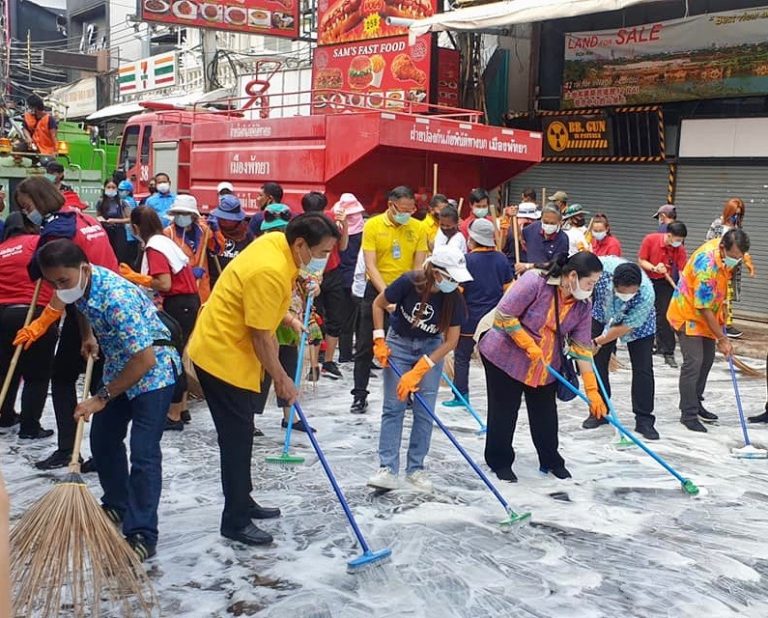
{"x":270,"y":216}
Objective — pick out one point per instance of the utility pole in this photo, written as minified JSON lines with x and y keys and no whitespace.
{"x":29,"y":55}
{"x":209,"y":53}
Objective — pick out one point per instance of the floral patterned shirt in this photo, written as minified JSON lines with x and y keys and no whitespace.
{"x":126,"y":322}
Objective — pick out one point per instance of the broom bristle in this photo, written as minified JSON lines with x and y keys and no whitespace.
{"x":67,"y":556}
{"x":747,"y":370}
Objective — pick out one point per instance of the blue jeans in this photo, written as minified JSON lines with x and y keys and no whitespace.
{"x":134,"y":495}
{"x":406,"y":352}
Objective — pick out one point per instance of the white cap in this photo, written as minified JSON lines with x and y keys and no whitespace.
{"x":451,"y":260}
{"x":481,"y":231}
{"x":184,"y":204}
{"x":528,"y":210}
{"x":225,"y":185}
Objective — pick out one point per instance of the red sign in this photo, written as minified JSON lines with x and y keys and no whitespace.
{"x":379,"y":74}
{"x":268,"y":17}
{"x":345,"y":21}
{"x":448,"y":68}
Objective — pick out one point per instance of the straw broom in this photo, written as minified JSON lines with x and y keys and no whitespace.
{"x":67,"y":556}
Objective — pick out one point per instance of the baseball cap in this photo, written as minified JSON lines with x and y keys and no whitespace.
{"x":54,"y":167}
{"x":275,"y":216}
{"x":229,"y":209}
{"x":527,"y":210}
{"x":573,"y":210}
{"x":452,"y":261}
{"x":349,"y":203}
{"x":184,"y":204}
{"x":559,"y":196}
{"x":481,"y":231}
{"x":225,"y":185}
{"x":125,"y":185}
{"x":667,"y":209}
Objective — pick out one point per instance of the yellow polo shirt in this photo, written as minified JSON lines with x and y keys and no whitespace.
{"x":253,"y":293}
{"x":395,"y":245}
{"x":430,"y":225}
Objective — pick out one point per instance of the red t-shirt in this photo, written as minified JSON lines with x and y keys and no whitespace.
{"x":609,"y":245}
{"x":464,"y":225}
{"x":183,"y":282}
{"x":16,"y":288}
{"x":93,"y":240}
{"x":655,"y":250}
{"x":334,"y":259}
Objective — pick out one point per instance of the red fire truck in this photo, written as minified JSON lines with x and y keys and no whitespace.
{"x":361,"y":150}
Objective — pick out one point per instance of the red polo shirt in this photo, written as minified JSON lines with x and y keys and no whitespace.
{"x":655,"y":250}
{"x":334,"y":259}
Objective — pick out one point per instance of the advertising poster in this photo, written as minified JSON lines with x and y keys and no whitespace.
{"x":448,"y":67}
{"x":706,"y":56}
{"x":384,"y":73}
{"x":346,"y":21}
{"x":267,"y":17}
{"x":577,"y":135}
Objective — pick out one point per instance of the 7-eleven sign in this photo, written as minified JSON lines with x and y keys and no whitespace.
{"x":148,"y":74}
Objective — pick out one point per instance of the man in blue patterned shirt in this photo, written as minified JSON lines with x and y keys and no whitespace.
{"x":623,"y":307}
{"x":140,"y":370}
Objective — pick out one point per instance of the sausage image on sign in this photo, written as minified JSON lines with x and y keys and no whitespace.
{"x":344,"y":16}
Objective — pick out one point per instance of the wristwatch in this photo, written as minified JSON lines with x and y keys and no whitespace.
{"x":103,"y":394}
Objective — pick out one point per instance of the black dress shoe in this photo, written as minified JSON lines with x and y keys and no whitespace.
{"x":505,"y":474}
{"x":707,"y":416}
{"x":263,"y":512}
{"x":592,"y":422}
{"x":38,"y":434}
{"x":648,"y":432}
{"x":560,"y":472}
{"x":760,"y":418}
{"x":250,"y":535}
{"x":694,"y":425}
{"x":57,"y":459}
{"x":88,"y":466}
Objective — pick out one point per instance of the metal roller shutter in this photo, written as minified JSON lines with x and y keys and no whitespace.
{"x":701,"y":192}
{"x":627,"y":194}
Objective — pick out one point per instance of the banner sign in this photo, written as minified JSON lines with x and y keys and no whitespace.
{"x":266,"y":17}
{"x":706,"y":56}
{"x":380,"y":74}
{"x":577,"y":135}
{"x":448,"y":69}
{"x":146,"y":74}
{"x":79,"y":99}
{"x":345,"y":21}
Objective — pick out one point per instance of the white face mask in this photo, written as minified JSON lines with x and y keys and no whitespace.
{"x":579,"y":293}
{"x":71,"y":295}
{"x":480,"y":212}
{"x":676,"y":244}
{"x":549,"y":228}
{"x":183,"y":220}
{"x":164,"y":187}
{"x":599,"y":235}
{"x":625,"y":297}
{"x":110,"y":193}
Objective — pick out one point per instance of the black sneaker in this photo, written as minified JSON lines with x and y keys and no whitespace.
{"x":648,"y":432}
{"x":592,"y":422}
{"x":250,"y":535}
{"x":694,"y":425}
{"x":297,"y":426}
{"x":359,"y":405}
{"x":707,"y":416}
{"x":112,"y":514}
{"x":10,"y":421}
{"x":506,"y":474}
{"x":171,"y":425}
{"x":144,"y":551}
{"x":560,"y":472}
{"x":669,"y":359}
{"x":38,"y":434}
{"x":733,"y":332}
{"x":57,"y":459}
{"x":760,"y":418}
{"x":313,"y":375}
{"x":88,"y":466}
{"x":331,"y":370}
{"x":186,"y":417}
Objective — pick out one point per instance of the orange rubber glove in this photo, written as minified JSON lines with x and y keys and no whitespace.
{"x":134,"y":277}
{"x":38,"y":327}
{"x":409,"y":383}
{"x":381,"y":351}
{"x":528,"y":345}
{"x":597,"y":406}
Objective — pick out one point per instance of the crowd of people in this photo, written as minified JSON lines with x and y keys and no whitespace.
{"x":143,"y":286}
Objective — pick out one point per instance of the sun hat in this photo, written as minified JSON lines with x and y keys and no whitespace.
{"x":573,"y":210}
{"x":349,"y":203}
{"x":528,"y":210}
{"x":275,"y":216}
{"x":228,"y":209}
{"x":452,"y":261}
{"x":184,"y":204}
{"x":481,"y":231}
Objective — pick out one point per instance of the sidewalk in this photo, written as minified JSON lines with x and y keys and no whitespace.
{"x":754,"y":342}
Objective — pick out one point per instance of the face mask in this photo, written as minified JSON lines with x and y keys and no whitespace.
{"x":183,"y":220}
{"x":599,"y":235}
{"x":315,"y":266}
{"x":677,"y":243}
{"x":110,"y":193}
{"x":731,"y":262}
{"x":35,"y":217}
{"x":446,"y":286}
{"x":71,"y":295}
{"x":625,"y":298}
{"x":480,"y":212}
{"x":449,"y":232}
{"x":578,"y":293}
{"x":549,"y":228}
{"x":51,"y":177}
{"x":164,"y":187}
{"x":401,"y":218}
{"x":123,"y":194}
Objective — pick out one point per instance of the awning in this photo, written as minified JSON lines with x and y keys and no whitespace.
{"x":499,"y":15}
{"x":134,"y":107}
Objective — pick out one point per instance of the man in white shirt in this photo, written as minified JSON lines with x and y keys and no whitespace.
{"x":574,"y":225}
{"x":449,"y":234}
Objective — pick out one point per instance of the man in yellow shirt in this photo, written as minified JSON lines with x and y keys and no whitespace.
{"x":698,"y":312}
{"x":431,"y":223}
{"x":393,"y":244}
{"x":234,"y":343}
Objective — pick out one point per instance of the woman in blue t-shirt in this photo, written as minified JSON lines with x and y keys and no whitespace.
{"x":426,"y":311}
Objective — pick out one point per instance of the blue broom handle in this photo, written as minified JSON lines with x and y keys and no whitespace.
{"x":738,"y":401}
{"x":450,"y":436}
{"x":299,"y":368}
{"x":463,"y":400}
{"x":613,"y":420}
{"x":332,"y":479}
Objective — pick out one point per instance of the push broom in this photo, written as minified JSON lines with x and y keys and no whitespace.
{"x":66,"y":555}
{"x":747,"y":451}
{"x":466,"y":404}
{"x":369,"y":558}
{"x":688,"y":485}
{"x":512,"y":516}
{"x":285,"y":458}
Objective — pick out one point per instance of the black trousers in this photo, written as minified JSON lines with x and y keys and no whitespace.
{"x":504,"y":397}
{"x":336,"y":304}
{"x":364,"y":342}
{"x":289,"y":360}
{"x":232,"y":411}
{"x":184,"y":309}
{"x":665,"y":335}
{"x":35,"y":366}
{"x":67,"y":367}
{"x":643,"y":381}
{"x":347,"y":337}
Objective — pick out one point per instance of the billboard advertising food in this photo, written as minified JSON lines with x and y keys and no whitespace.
{"x":715,"y":55}
{"x":345,"y":21}
{"x":267,"y":17}
{"x":384,"y":73}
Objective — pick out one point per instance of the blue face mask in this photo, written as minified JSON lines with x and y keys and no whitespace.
{"x":315,"y":267}
{"x":446,"y":286}
{"x":401,"y":218}
{"x":35,"y":217}
{"x":123,"y":194}
{"x":731,"y":262}
{"x":51,"y":177}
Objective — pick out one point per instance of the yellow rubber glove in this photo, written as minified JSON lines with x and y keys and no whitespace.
{"x":528,"y":345}
{"x":409,"y":383}
{"x":37,"y":328}
{"x":134,"y":277}
{"x":381,"y":351}
{"x":597,"y":406}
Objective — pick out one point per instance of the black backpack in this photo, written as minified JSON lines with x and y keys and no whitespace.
{"x":172,"y":324}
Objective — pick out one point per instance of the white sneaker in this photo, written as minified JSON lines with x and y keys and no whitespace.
{"x":420,"y":481}
{"x":384,"y":479}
